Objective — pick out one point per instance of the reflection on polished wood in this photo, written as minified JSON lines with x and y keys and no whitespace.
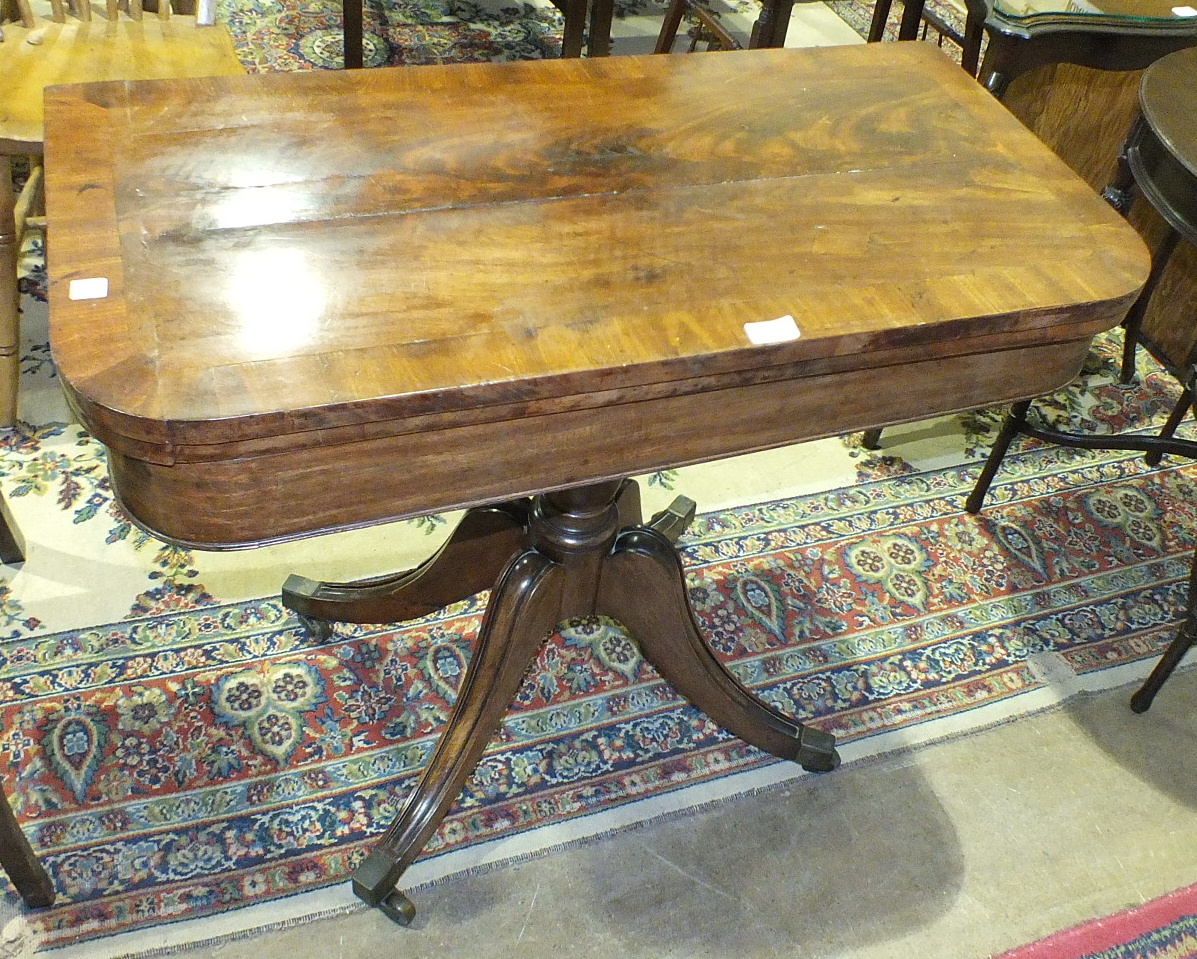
{"x":346,"y":297}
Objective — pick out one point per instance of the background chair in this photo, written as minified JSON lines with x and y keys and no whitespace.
{"x":769,"y":30}
{"x":1159,"y":161}
{"x":62,"y":44}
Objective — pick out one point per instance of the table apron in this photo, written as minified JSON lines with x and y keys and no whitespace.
{"x":225,"y":504}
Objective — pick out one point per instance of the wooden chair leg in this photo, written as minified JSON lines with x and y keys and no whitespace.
{"x":19,"y":861}
{"x":912,"y":16}
{"x":12,"y":543}
{"x":602,"y":15}
{"x":574,"y":12}
{"x":1134,"y":317}
{"x":1185,"y":637}
{"x":353,"y":33}
{"x":669,"y":28}
{"x":880,"y":15}
{"x":10,"y":303}
{"x":1179,"y":411}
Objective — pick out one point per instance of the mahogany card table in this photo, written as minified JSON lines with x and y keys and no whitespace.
{"x":292,"y":304}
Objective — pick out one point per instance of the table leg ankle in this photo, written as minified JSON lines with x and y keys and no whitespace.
{"x":522,"y":612}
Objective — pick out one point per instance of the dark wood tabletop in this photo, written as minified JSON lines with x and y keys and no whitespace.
{"x":330,"y":270}
{"x":290,"y":304}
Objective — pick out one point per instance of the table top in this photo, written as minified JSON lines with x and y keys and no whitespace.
{"x":286,"y":253}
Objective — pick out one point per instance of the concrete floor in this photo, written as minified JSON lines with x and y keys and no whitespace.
{"x":957,"y":850}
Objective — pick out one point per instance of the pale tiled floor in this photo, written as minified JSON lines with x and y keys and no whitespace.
{"x":953,"y":851}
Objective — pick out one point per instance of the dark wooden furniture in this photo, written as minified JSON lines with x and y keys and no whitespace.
{"x":572,"y":40}
{"x":768,"y":30}
{"x":12,"y":540}
{"x":19,"y":862}
{"x":1110,"y":35}
{"x":1106,"y":35}
{"x":16,"y":855}
{"x":908,"y":28}
{"x":1160,"y":162}
{"x":509,"y":303}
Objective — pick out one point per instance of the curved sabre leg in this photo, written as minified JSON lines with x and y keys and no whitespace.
{"x":470,"y":561}
{"x":522,"y":612}
{"x":643,"y":587}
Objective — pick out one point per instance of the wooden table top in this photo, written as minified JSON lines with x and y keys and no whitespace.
{"x":302,"y":259}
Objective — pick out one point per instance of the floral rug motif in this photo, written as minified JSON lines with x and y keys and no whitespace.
{"x":284,"y":35}
{"x":274,"y":35}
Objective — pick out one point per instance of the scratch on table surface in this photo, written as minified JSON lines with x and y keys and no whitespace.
{"x":689,"y":875}
{"x":528,"y":914}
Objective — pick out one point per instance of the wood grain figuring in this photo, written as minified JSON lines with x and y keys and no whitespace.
{"x":326,"y":274}
{"x":1084,"y":115}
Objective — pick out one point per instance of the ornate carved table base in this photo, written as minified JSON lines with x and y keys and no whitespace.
{"x":572,"y":553}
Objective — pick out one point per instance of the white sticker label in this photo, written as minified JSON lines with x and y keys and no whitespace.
{"x":1185,"y":11}
{"x":93,"y":288}
{"x":781,"y":330}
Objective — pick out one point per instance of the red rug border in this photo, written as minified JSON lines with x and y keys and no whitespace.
{"x":1109,"y":932}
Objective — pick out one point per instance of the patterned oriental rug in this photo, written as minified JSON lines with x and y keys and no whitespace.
{"x":177,"y":747}
{"x":1165,"y":928}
